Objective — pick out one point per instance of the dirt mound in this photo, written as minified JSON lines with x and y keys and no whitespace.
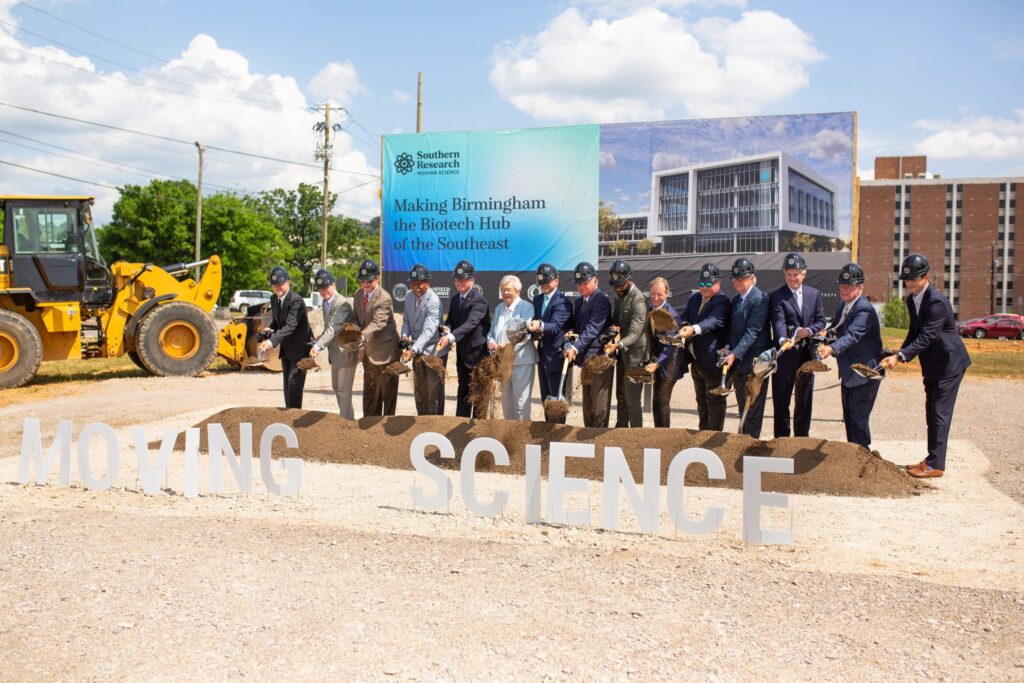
{"x":829,"y":467}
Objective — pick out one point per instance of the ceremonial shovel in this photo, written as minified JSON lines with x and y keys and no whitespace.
{"x":722,"y":390}
{"x":555,"y":408}
{"x":868,"y":372}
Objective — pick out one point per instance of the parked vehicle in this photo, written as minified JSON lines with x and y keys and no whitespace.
{"x":243,"y":298}
{"x":1008,"y":325}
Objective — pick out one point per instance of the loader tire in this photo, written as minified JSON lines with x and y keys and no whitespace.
{"x":134,"y":355}
{"x":21,"y":350}
{"x":176,"y":338}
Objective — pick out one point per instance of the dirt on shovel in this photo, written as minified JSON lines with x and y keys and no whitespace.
{"x":594,"y":366}
{"x":488,"y":379}
{"x":555,"y":410}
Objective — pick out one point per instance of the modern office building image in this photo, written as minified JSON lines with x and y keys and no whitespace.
{"x":966,"y":227}
{"x":747,"y":204}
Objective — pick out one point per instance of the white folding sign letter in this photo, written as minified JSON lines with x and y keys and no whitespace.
{"x":293,"y":466}
{"x":417,"y":453}
{"x":559,"y":484}
{"x":241,"y":467}
{"x":754,"y":499}
{"x":91,"y":430}
{"x":32,"y":452}
{"x":532,"y":483}
{"x":153,"y":476}
{"x":616,"y":471}
{"x":468,"y":476}
{"x":191,"y":485}
{"x":676,"y":493}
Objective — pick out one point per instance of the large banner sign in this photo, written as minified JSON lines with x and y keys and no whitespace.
{"x":505,"y":200}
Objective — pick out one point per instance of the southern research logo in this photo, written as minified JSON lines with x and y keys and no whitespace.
{"x":399,"y":292}
{"x":404,"y":164}
{"x":532,"y":292}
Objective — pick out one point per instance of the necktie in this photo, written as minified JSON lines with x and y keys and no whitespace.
{"x":798,"y":295}
{"x":703,"y":302}
{"x":842,"y":316}
{"x":366,"y":300}
{"x":544,"y":308}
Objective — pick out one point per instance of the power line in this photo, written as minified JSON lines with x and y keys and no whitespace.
{"x":175,"y":140}
{"x":58,"y":175}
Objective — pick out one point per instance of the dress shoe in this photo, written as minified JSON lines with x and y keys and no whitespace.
{"x":924,"y":472}
{"x":917,"y":465}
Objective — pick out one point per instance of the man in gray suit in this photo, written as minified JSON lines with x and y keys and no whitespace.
{"x":420,"y":327}
{"x":336,"y":310}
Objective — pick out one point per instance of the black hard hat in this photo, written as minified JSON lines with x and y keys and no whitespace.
{"x":709,"y":271}
{"x":278,"y":275}
{"x":419,"y":273}
{"x":743,"y":267}
{"x":619,"y":273}
{"x":794,"y":261}
{"x":850,"y":274}
{"x":463,"y":270}
{"x":914,"y":266}
{"x":546,"y":273}
{"x":368,"y":270}
{"x":584,"y":272}
{"x":323,"y":279}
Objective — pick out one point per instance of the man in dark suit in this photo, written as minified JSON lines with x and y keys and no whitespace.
{"x":796,"y":313}
{"x":932,"y":338}
{"x":858,"y":340}
{"x":551,"y":317}
{"x":629,"y":313}
{"x":667,"y":362}
{"x":469,"y":322}
{"x":592,"y":314}
{"x":748,"y":337}
{"x":706,"y":324}
{"x":290,"y":330}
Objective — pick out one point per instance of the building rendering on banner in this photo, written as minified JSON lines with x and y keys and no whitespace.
{"x":966,"y":227}
{"x":748,"y":204}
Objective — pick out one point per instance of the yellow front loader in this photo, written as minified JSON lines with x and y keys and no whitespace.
{"x":60,"y":301}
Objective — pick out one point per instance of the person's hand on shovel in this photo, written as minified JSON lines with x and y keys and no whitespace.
{"x":686,"y":331}
{"x":492,"y":345}
{"x":570,"y":353}
{"x":442,"y":343}
{"x":889,"y":362}
{"x":651,"y":368}
{"x":801,"y":333}
{"x":824,"y":352}
{"x":729,"y":360}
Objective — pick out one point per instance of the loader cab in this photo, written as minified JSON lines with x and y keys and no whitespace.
{"x":53,"y":250}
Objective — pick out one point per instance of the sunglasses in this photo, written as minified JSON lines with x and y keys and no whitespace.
{"x":706,"y":283}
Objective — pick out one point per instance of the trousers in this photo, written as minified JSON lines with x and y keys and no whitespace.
{"x":710,"y":408}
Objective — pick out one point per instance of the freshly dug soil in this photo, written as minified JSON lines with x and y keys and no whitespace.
{"x":594,"y":366}
{"x":488,"y":379}
{"x":397,"y":368}
{"x":349,"y":333}
{"x":662,"y":321}
{"x":554,"y":410}
{"x":640,"y":375}
{"x":821,"y":466}
{"x":434,"y":363}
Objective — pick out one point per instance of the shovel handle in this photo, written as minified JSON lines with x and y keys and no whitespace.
{"x":786,"y":345}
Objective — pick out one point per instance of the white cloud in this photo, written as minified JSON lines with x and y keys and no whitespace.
{"x":980,"y":137}
{"x":866,"y":173}
{"x":666,"y":160}
{"x":828,"y":145}
{"x":648,"y":63}
{"x":401,"y":96}
{"x":222,"y":112}
{"x":336,"y":81}
{"x":620,"y":7}
{"x":607,"y":160}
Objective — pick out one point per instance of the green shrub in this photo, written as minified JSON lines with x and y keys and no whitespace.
{"x":895,"y":314}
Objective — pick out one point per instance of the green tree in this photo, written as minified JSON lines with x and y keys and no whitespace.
{"x":155,"y":224}
{"x":895,"y":314}
{"x":645,"y":246}
{"x":607,"y":222}
{"x":619,"y":246}
{"x":803,"y":242}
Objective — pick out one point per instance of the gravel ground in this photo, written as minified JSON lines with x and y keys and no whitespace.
{"x":347,"y":583}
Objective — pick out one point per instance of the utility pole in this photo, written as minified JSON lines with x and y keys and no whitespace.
{"x":323,"y":151}
{"x":199,"y":209}
{"x":419,"y":103}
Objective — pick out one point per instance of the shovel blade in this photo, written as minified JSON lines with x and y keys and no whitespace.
{"x":721,"y":391}
{"x":867,"y":372}
{"x":813,"y":366}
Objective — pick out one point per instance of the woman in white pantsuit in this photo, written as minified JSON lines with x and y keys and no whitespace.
{"x":515,"y":398}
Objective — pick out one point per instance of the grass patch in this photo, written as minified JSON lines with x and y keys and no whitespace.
{"x":997,"y":358}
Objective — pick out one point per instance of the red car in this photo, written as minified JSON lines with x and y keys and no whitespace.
{"x":1008,"y":325}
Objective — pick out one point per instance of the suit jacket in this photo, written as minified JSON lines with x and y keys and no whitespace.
{"x":629,"y":312}
{"x":469,"y":323}
{"x":422,"y":324}
{"x":339,"y":310}
{"x":290,"y":324}
{"x":526,"y":352}
{"x":714,"y":328}
{"x":933,"y":337}
{"x":589,"y":320}
{"x":858,"y":340}
{"x":669,"y":358}
{"x":556,"y":319}
{"x":748,"y":328}
{"x":786,"y":317}
{"x":377,"y":321}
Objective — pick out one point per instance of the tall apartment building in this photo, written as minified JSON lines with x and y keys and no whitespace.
{"x":966,"y":227}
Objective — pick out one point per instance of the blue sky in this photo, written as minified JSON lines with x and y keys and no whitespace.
{"x":939,"y":78}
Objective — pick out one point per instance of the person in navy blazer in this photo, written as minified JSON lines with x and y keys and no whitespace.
{"x":552,"y":315}
{"x":706,"y":324}
{"x":796,"y":313}
{"x":748,"y":338}
{"x":858,"y":340}
{"x":469,"y":321}
{"x":932,"y":338}
{"x":592,"y":314}
{"x":667,"y":363}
